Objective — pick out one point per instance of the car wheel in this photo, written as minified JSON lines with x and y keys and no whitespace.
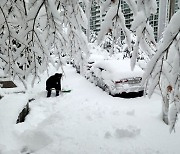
{"x":141,"y":93}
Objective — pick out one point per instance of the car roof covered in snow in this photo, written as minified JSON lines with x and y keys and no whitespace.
{"x":118,"y":69}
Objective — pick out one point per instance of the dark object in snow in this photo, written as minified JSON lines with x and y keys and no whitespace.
{"x":1,"y":96}
{"x":54,"y":81}
{"x":23,"y":114}
{"x":32,"y":99}
{"x":7,"y":84}
{"x":130,"y":94}
{"x":66,"y":91}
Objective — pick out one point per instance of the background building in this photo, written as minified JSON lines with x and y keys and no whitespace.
{"x":95,"y":21}
{"x":162,"y":16}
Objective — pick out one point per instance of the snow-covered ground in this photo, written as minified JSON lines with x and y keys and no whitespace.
{"x":84,"y":121}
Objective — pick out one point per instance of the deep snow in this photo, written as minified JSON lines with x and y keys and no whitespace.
{"x":84,"y":121}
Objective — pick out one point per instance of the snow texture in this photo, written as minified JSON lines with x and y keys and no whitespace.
{"x":86,"y":120}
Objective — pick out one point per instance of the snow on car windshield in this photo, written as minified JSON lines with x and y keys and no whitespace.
{"x":118,"y":69}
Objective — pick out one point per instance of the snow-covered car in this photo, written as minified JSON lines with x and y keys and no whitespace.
{"x":116,"y":78}
{"x":96,"y":53}
{"x":93,"y":58}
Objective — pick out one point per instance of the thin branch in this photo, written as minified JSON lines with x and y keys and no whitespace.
{"x":25,"y":10}
{"x":9,"y":33}
{"x":34,"y":21}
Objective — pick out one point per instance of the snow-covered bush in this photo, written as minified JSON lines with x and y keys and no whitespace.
{"x":92,"y":37}
{"x":112,"y":46}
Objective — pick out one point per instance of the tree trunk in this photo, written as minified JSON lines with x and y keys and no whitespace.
{"x":165,"y":109}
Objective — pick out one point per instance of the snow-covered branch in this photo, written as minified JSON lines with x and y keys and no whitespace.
{"x":31,"y":31}
{"x":167,"y":57}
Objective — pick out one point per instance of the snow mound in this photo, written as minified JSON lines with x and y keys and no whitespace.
{"x":130,"y":131}
{"x":107,"y":135}
{"x":34,"y":140}
{"x":131,"y":112}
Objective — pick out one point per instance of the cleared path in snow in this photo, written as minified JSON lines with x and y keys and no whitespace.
{"x":88,"y":121}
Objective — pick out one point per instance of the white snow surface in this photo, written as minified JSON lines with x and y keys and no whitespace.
{"x":85,"y":121}
{"x":119,"y":69}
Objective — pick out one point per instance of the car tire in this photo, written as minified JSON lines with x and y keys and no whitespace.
{"x":141,"y":93}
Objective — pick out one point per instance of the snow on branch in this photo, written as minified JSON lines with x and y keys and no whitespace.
{"x":114,"y":23}
{"x":107,"y":24}
{"x":31,"y":31}
{"x":142,"y":28}
{"x":167,"y":57}
{"x":144,"y":36}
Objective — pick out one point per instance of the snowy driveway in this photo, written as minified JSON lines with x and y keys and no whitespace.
{"x":86,"y":121}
